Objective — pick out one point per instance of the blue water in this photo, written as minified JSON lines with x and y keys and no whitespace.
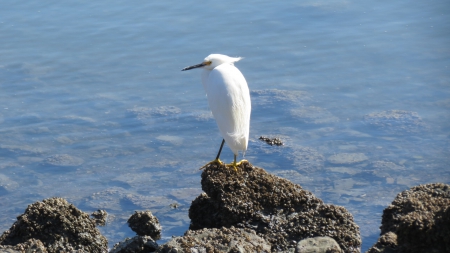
{"x":94,"y":107}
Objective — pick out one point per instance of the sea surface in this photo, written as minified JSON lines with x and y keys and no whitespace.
{"x":94,"y":106}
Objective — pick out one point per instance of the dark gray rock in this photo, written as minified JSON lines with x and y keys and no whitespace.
{"x":32,"y":245}
{"x":271,"y":141}
{"x":60,"y":226}
{"x":279,"y":211}
{"x":144,"y":223}
{"x":137,"y":244}
{"x":99,"y":217}
{"x":387,"y":243}
{"x":418,"y":220}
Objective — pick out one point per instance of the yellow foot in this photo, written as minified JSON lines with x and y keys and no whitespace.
{"x":235,"y":164}
{"x":239,"y":163}
{"x":217,"y":161}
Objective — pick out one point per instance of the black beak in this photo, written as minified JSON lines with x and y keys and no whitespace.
{"x":194,"y":66}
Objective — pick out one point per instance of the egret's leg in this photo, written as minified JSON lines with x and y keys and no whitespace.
{"x":233,"y":164}
{"x":220,"y":151}
{"x":217,"y":160}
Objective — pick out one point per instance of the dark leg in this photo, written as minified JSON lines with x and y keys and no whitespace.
{"x":220,"y":150}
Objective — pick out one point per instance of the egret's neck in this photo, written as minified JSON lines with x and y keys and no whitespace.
{"x":205,"y":75}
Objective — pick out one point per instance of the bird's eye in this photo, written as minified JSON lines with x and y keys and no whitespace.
{"x":208,"y":63}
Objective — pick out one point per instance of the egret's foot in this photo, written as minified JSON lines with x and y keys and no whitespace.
{"x":215,"y":161}
{"x":233,"y":165}
{"x":239,"y":163}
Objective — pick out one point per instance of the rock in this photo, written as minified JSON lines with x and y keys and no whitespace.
{"x":60,"y":226}
{"x":320,"y":244}
{"x":144,"y":223}
{"x":274,"y":96}
{"x":63,"y":160}
{"x":271,"y":142}
{"x":217,"y":240}
{"x":396,"y":122}
{"x":278,"y":210}
{"x":419,"y":218}
{"x":32,"y":245}
{"x":314,"y":115}
{"x":137,"y":244}
{"x":99,"y":217}
{"x":7,"y":184}
{"x":347,"y":158}
{"x":146,"y":115}
{"x":387,"y":243}
{"x":307,"y":159}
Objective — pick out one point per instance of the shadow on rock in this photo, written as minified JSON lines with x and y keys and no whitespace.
{"x":54,"y":225}
{"x":418,"y":220}
{"x":280,"y":212}
{"x":147,"y":228}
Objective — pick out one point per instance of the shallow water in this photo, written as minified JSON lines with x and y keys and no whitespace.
{"x":94,"y":107}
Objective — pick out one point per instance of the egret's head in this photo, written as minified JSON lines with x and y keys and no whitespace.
{"x":214,"y":60}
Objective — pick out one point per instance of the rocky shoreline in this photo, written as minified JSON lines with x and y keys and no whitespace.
{"x":248,"y":210}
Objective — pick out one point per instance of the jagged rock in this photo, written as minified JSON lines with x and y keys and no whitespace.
{"x":144,"y":223}
{"x":32,"y":245}
{"x":137,"y":244}
{"x":271,"y":141}
{"x":217,"y":240}
{"x":320,"y":244}
{"x":387,"y":243}
{"x":99,"y":217}
{"x":60,"y":226}
{"x":420,"y":220}
{"x":279,"y":211}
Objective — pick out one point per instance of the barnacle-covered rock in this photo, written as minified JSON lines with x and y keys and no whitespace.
{"x":59,"y":225}
{"x":279,"y":211}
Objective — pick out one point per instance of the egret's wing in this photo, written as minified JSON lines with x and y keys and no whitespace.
{"x":229,"y":100}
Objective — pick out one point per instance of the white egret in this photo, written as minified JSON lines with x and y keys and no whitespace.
{"x":228,"y":99}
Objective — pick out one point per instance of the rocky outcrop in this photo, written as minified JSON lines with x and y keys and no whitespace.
{"x":418,"y":220}
{"x":137,"y":244}
{"x":277,"y":210}
{"x":145,"y":223}
{"x":217,"y":240}
{"x":58,"y":225}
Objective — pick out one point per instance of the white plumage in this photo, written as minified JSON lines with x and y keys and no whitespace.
{"x":228,"y":98}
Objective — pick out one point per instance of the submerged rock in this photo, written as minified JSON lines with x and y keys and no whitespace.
{"x":64,"y":160}
{"x":144,"y":223}
{"x":347,"y":158}
{"x":396,"y":121}
{"x":279,"y":211}
{"x":99,"y":217}
{"x":418,"y":220}
{"x":60,"y":226}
